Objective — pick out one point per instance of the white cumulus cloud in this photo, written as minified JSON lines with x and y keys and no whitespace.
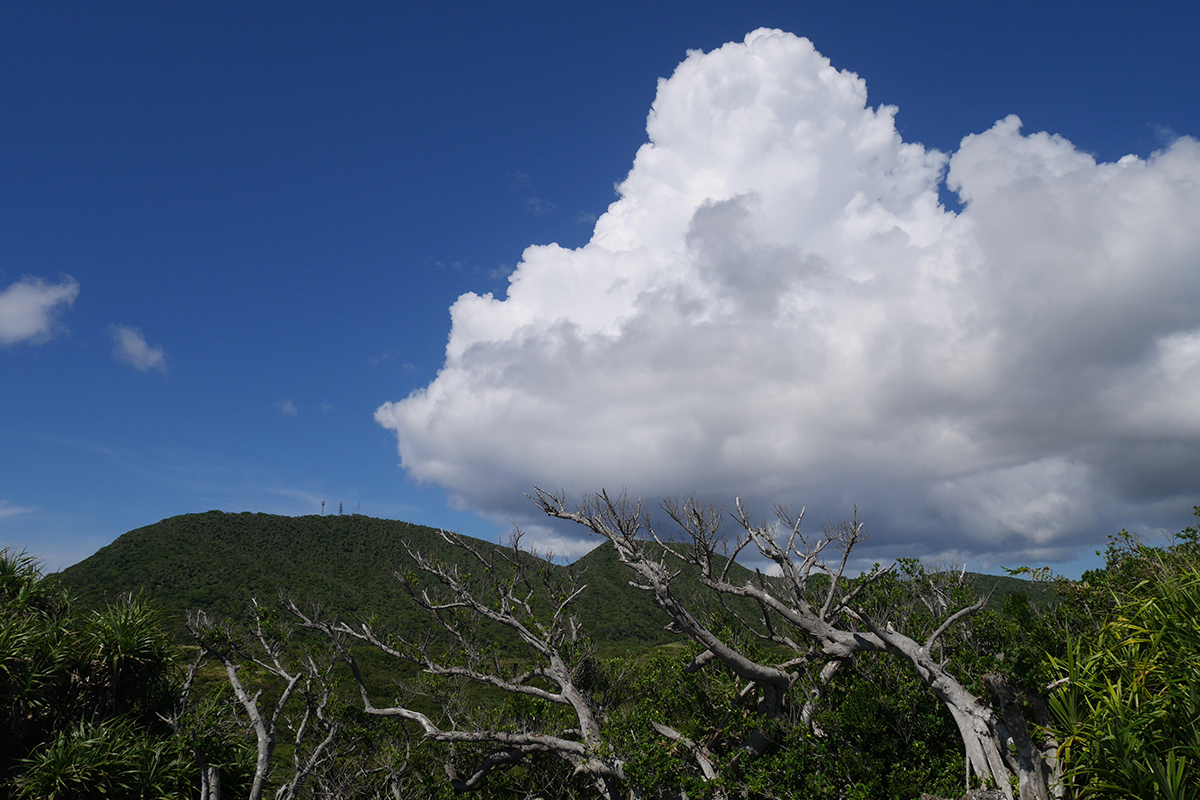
{"x":130,"y":347}
{"x":28,"y":307}
{"x":778,"y":307}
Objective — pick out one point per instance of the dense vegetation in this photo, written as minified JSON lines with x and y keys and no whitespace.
{"x":98,"y":699}
{"x":217,"y":561}
{"x":81,"y":696}
{"x":1127,"y":698}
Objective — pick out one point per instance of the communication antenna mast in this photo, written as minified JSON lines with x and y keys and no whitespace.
{"x":339,"y":509}
{"x":322,"y":508}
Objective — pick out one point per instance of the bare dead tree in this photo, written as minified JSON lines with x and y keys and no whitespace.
{"x":823,"y":618}
{"x":184,"y":716}
{"x":302,"y":677}
{"x":515,"y":591}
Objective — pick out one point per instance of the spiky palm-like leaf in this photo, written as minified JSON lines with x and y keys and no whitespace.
{"x":112,"y":759}
{"x":1129,"y":706}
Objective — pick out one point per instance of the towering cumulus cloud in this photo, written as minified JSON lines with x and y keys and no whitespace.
{"x":777,"y":307}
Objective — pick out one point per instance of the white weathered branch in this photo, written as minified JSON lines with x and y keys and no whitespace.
{"x":505,"y":595}
{"x":953,"y":619}
{"x":701,"y":754}
{"x":622,"y":523}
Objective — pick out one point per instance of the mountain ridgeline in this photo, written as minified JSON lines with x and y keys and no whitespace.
{"x":348,"y":565}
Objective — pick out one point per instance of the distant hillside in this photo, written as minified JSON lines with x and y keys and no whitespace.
{"x":218,"y":561}
{"x":1001,"y":586}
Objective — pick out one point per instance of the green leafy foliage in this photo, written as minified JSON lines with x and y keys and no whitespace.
{"x":1127,"y":703}
{"x":348,"y":563}
{"x":36,"y":652}
{"x":879,"y":734}
{"x":111,"y":759}
{"x":80,"y":695}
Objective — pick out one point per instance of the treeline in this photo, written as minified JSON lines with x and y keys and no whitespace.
{"x":1096,"y":689}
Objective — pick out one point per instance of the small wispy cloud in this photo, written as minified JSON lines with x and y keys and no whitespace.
{"x":9,"y":510}
{"x":390,"y":356}
{"x":130,"y":348}
{"x":306,"y":497}
{"x":1165,"y":135}
{"x":287,"y":408}
{"x":522,"y":184}
{"x":439,"y":264}
{"x":500,"y":273}
{"x":28,"y":308}
{"x":539,"y":206}
{"x":326,"y":406}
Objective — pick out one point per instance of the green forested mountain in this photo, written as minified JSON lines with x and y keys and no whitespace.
{"x":347,"y":563}
{"x":219,"y":561}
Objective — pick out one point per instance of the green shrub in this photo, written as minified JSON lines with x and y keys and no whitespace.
{"x":1128,"y":700}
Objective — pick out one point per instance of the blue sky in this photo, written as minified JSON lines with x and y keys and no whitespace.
{"x":231,"y":236}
